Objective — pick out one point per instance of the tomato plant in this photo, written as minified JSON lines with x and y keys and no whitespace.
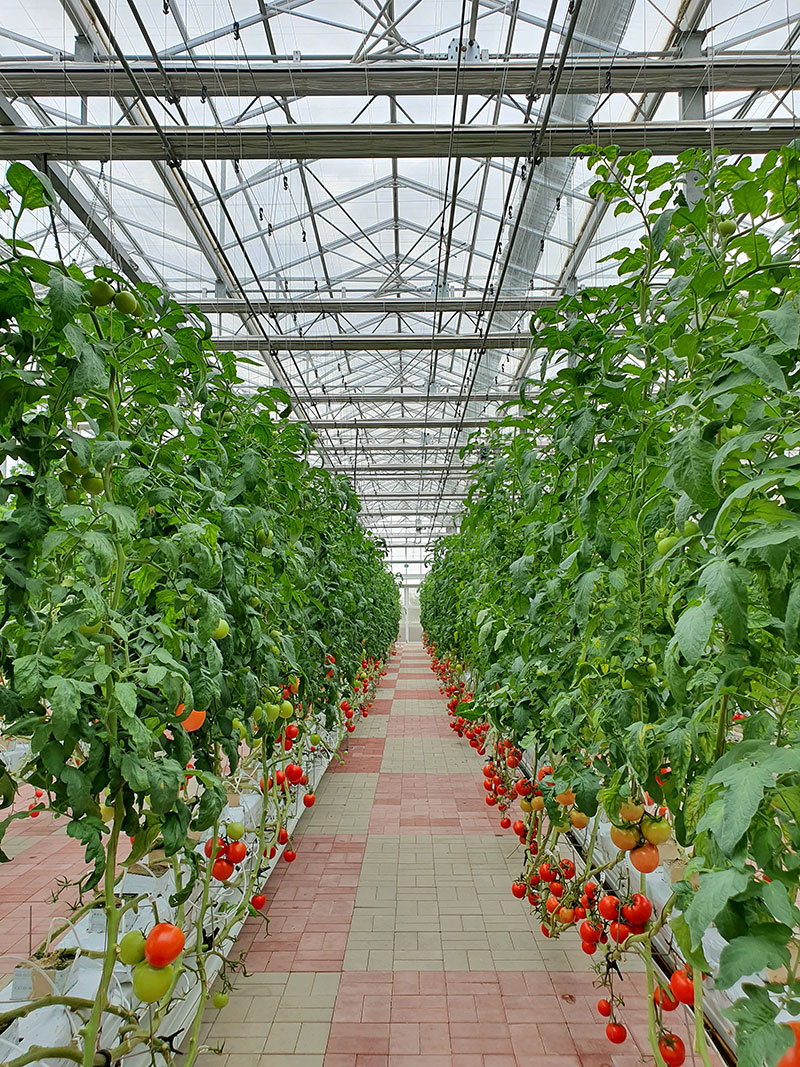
{"x":185,"y":597}
{"x":623,"y":595}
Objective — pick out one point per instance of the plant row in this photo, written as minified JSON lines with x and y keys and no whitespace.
{"x":186,"y":601}
{"x":622,"y":599}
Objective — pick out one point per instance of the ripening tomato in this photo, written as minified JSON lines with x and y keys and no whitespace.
{"x":151,"y":983}
{"x":625,"y":838}
{"x":645,"y":858}
{"x":164,"y":944}
{"x":551,"y":904}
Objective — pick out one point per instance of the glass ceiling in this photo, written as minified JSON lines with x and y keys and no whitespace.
{"x":413,"y":248}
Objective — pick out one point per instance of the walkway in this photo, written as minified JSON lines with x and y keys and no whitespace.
{"x":394,"y":938}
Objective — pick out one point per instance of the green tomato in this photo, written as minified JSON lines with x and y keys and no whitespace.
{"x":222,"y":630}
{"x":274,"y":650}
{"x":286,"y":709}
{"x":151,"y":983}
{"x":235,"y":831}
{"x":90,"y":629}
{"x":220,"y":1000}
{"x":273,"y":711}
{"x":275,"y":635}
{"x":261,"y":537}
{"x":727,"y":228}
{"x":666,"y":544}
{"x":67,"y":479}
{"x":100,"y":294}
{"x":126,"y":302}
{"x":315,"y":740}
{"x":73,"y":495}
{"x":93,"y":484}
{"x":131,"y":948}
{"x":258,"y":713}
{"x":690,"y":528}
{"x":270,"y":535}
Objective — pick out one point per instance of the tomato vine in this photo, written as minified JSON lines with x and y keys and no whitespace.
{"x":181,"y":586}
{"x":624,"y":589}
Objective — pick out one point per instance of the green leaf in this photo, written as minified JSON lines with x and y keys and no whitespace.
{"x":123,"y":517}
{"x":173,"y":830}
{"x":34,"y":188}
{"x":763,"y":947}
{"x":691,"y":460}
{"x":762,"y":365}
{"x":28,"y":676}
{"x":90,"y":375}
{"x":64,"y":297}
{"x":776,"y":898}
{"x":693,"y":631}
{"x":65,"y":702}
{"x":748,"y":199}
{"x":725,"y":588}
{"x":165,"y":778}
{"x":212,"y":801}
{"x":759,"y":1040}
{"x":135,"y":772}
{"x":784,"y":323}
{"x":791,"y":622}
{"x":715,"y":890}
{"x":125,"y":694}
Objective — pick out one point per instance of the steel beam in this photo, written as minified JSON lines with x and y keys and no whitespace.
{"x":383,"y":141}
{"x":411,"y":398}
{"x":70,"y":196}
{"x":369,"y":342}
{"x":321,"y":305}
{"x":400,"y":470}
{"x":247,"y":78}
{"x":398,"y":424}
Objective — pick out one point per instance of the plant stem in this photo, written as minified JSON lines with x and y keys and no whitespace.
{"x":700,"y":1043}
{"x":112,"y":913}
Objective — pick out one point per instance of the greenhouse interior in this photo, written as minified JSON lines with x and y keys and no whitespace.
{"x":399,"y":533}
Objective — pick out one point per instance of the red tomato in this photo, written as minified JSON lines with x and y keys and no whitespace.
{"x":258,"y":901}
{"x":672,"y":1049}
{"x":222,"y":869}
{"x":616,"y":1033}
{"x":608,"y":906}
{"x":638,"y":911}
{"x":236,"y":851}
{"x":665,"y":999}
{"x":164,"y":944}
{"x":308,"y":800}
{"x":289,"y":855}
{"x":518,"y":889}
{"x":590,"y":931}
{"x":619,"y":931}
{"x":283,"y":835}
{"x":791,"y":1058}
{"x":682,"y":986}
{"x":294,"y":772}
{"x":604,"y":1008}
{"x":589,"y":947}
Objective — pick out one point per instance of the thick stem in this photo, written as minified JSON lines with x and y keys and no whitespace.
{"x":112,"y":914}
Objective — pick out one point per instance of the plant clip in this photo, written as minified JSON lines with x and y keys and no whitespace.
{"x":236,"y":31}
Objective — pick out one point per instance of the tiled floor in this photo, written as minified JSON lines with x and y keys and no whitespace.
{"x":394,"y":939}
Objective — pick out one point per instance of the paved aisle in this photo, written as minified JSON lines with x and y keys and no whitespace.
{"x":394,"y":938}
